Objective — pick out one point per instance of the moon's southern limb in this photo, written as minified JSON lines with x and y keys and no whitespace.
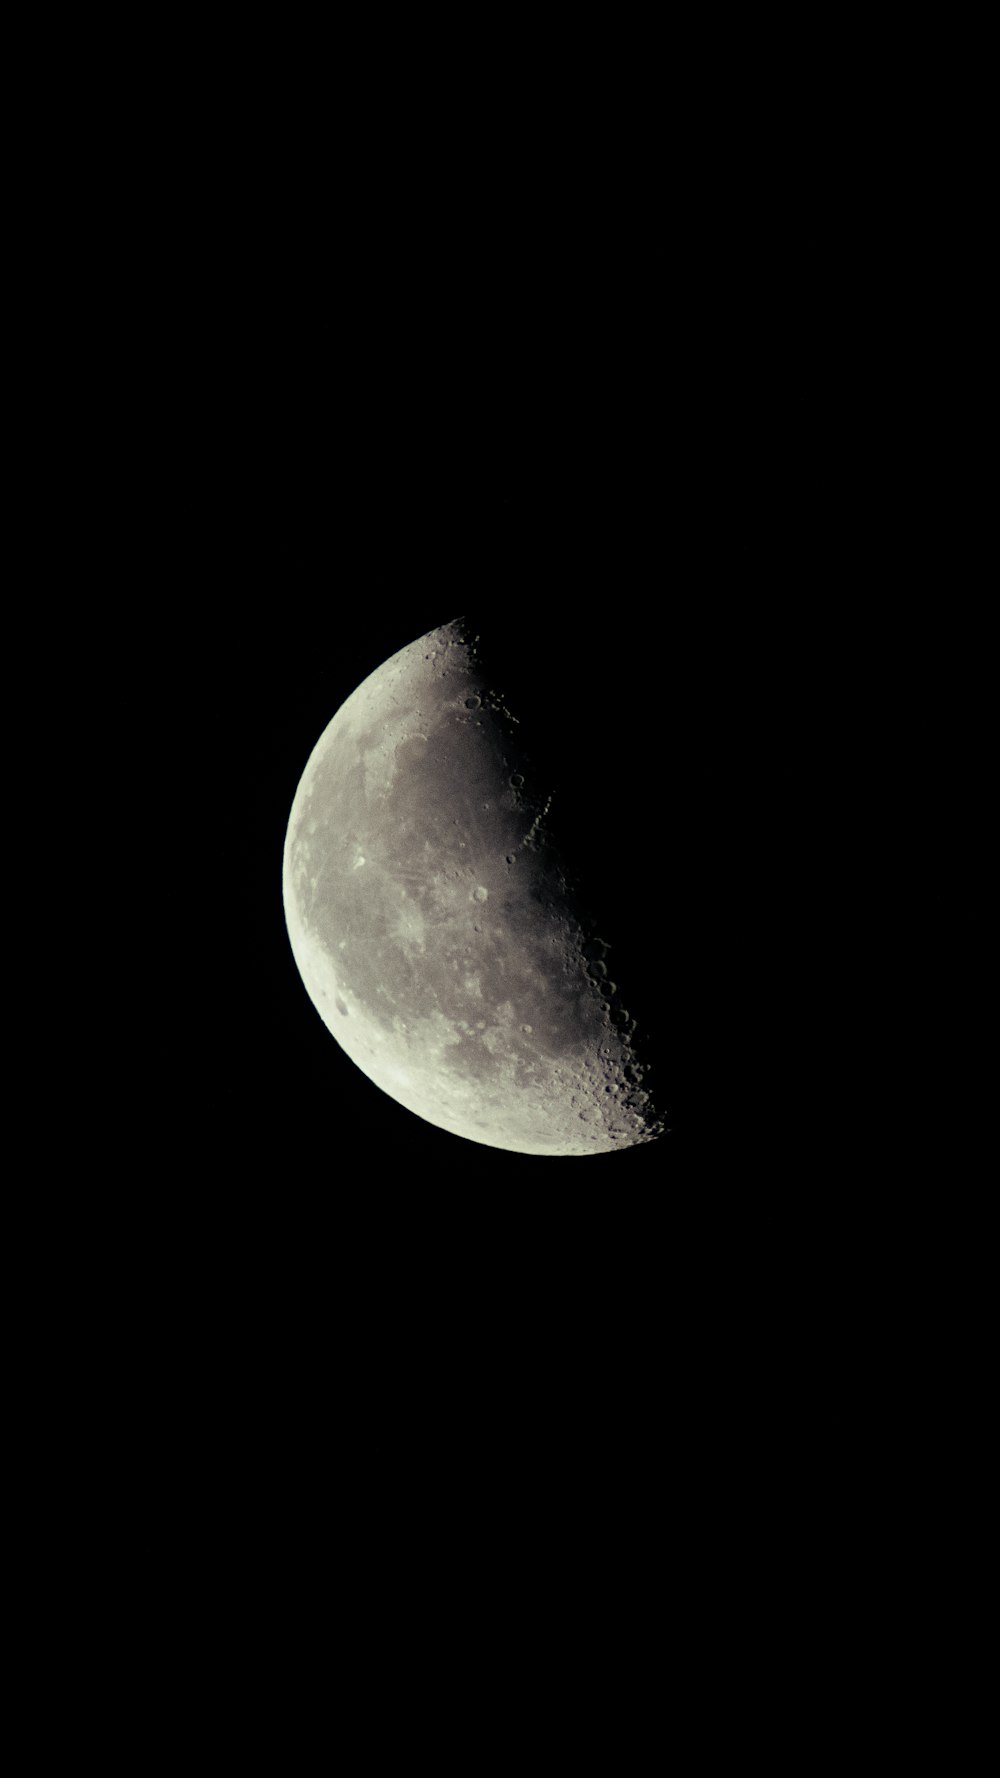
{"x":433,"y":923}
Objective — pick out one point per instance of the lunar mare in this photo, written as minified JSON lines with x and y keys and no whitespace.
{"x":433,"y":921}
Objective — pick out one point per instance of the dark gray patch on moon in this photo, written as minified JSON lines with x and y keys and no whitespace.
{"x":426,"y":900}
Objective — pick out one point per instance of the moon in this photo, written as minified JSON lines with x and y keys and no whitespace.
{"x":437,"y":928}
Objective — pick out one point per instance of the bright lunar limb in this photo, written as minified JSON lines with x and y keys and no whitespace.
{"x":433,"y":923}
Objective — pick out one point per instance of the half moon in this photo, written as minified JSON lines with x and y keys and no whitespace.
{"x":435,"y":925}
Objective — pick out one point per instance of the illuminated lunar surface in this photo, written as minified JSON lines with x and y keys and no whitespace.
{"x":435,"y":925}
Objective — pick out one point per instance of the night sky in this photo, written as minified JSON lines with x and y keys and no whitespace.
{"x":673,"y":699}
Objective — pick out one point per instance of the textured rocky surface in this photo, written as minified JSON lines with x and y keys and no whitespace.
{"x":436,"y":926}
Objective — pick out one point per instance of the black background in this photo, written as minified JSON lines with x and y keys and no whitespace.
{"x":680,"y":534}
{"x":647,"y":401}
{"x":443,"y":1335}
{"x":650,"y":401}
{"x":661,"y":430}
